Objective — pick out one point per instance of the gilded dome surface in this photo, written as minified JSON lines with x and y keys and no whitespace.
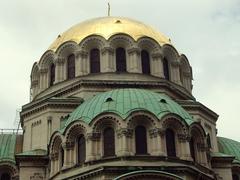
{"x":125,"y":101}
{"x":107,"y":27}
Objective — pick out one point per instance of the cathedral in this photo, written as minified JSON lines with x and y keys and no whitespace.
{"x":111,"y":99}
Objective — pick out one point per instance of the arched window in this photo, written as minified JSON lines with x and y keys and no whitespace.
{"x":235,"y":177}
{"x":141,"y":140}
{"x":192,"y":148}
{"x":209,"y":141}
{"x":145,"y":62}
{"x":108,"y":142}
{"x":5,"y":176}
{"x":62,"y":157}
{"x":120,"y":60}
{"x":166,"y":68}
{"x":52,"y":74}
{"x":94,"y":61}
{"x":170,"y":143}
{"x":71,"y":66}
{"x":81,"y":149}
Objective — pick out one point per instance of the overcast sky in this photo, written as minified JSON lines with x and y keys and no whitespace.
{"x":206,"y":31}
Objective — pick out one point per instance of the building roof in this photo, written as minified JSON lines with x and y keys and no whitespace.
{"x":125,"y":101}
{"x":230,"y":147}
{"x":7,"y":147}
{"x":107,"y":27}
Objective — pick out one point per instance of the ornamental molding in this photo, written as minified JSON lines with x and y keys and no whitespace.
{"x":109,"y":50}
{"x":126,"y":132}
{"x":68,"y":145}
{"x":37,"y":176}
{"x":54,"y":156}
{"x":43,"y":70}
{"x":96,"y":40}
{"x":157,"y":56}
{"x":202,"y":147}
{"x":81,"y":54}
{"x":34,"y":83}
{"x":134,"y":50}
{"x":60,"y":60}
{"x":183,"y":137}
{"x":175,"y":63}
{"x":156,"y":132}
{"x":94,"y":136}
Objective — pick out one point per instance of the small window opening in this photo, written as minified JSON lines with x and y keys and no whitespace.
{"x":163,"y":101}
{"x":118,"y":21}
{"x":109,"y":99}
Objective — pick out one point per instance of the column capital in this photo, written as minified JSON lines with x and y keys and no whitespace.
{"x":125,"y":132}
{"x":156,"y":132}
{"x":81,"y":53}
{"x":68,"y":145}
{"x":157,"y":55}
{"x":183,"y":137}
{"x":54,"y":156}
{"x":175,"y":63}
{"x":43,"y":70}
{"x":94,"y":136}
{"x":110,"y":50}
{"x":60,"y":60}
{"x":202,"y":147}
{"x":134,"y":50}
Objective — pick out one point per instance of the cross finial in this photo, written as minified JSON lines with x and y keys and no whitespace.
{"x":108,"y":9}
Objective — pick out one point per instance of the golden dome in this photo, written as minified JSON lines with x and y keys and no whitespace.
{"x":106,"y":27}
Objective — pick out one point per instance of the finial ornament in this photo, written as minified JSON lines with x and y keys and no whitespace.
{"x":108,"y":9}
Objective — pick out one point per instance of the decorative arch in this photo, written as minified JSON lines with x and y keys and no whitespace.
{"x":197,"y":143}
{"x":176,"y":132}
{"x":185,"y":72}
{"x":8,"y":170}
{"x":47,"y":58}
{"x":148,"y":44}
{"x":55,"y":142}
{"x":91,"y":42}
{"x":170,"y":53}
{"x":74,"y":130}
{"x":35,"y":79}
{"x":67,"y":48}
{"x":121,"y":40}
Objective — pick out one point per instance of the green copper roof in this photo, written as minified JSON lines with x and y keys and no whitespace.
{"x":229,"y":146}
{"x":123,"y":102}
{"x":35,"y":152}
{"x":7,"y":147}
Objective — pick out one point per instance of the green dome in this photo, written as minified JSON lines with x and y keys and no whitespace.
{"x":230,"y":147}
{"x":125,"y":101}
{"x":7,"y":147}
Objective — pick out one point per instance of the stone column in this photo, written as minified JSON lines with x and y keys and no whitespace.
{"x":184,"y":147}
{"x":92,"y":149}
{"x":134,"y":64}
{"x":53,"y":159}
{"x":156,"y":135}
{"x":82,"y":63}
{"x":124,"y":135}
{"x":201,"y":154}
{"x":60,"y":70}
{"x":44,"y":83}
{"x":68,"y":154}
{"x":175,"y":72}
{"x":157,"y":65}
{"x":187,"y":81}
{"x":107,"y":60}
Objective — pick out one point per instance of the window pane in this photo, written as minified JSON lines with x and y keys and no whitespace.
{"x":141,"y":140}
{"x":109,"y":142}
{"x":52,"y":74}
{"x":192,"y":149}
{"x":166,"y":68}
{"x":145,"y":62}
{"x":170,"y":143}
{"x":94,"y":61}
{"x":81,"y":149}
{"x":71,"y":66}
{"x":120,"y":60}
{"x":5,"y":176}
